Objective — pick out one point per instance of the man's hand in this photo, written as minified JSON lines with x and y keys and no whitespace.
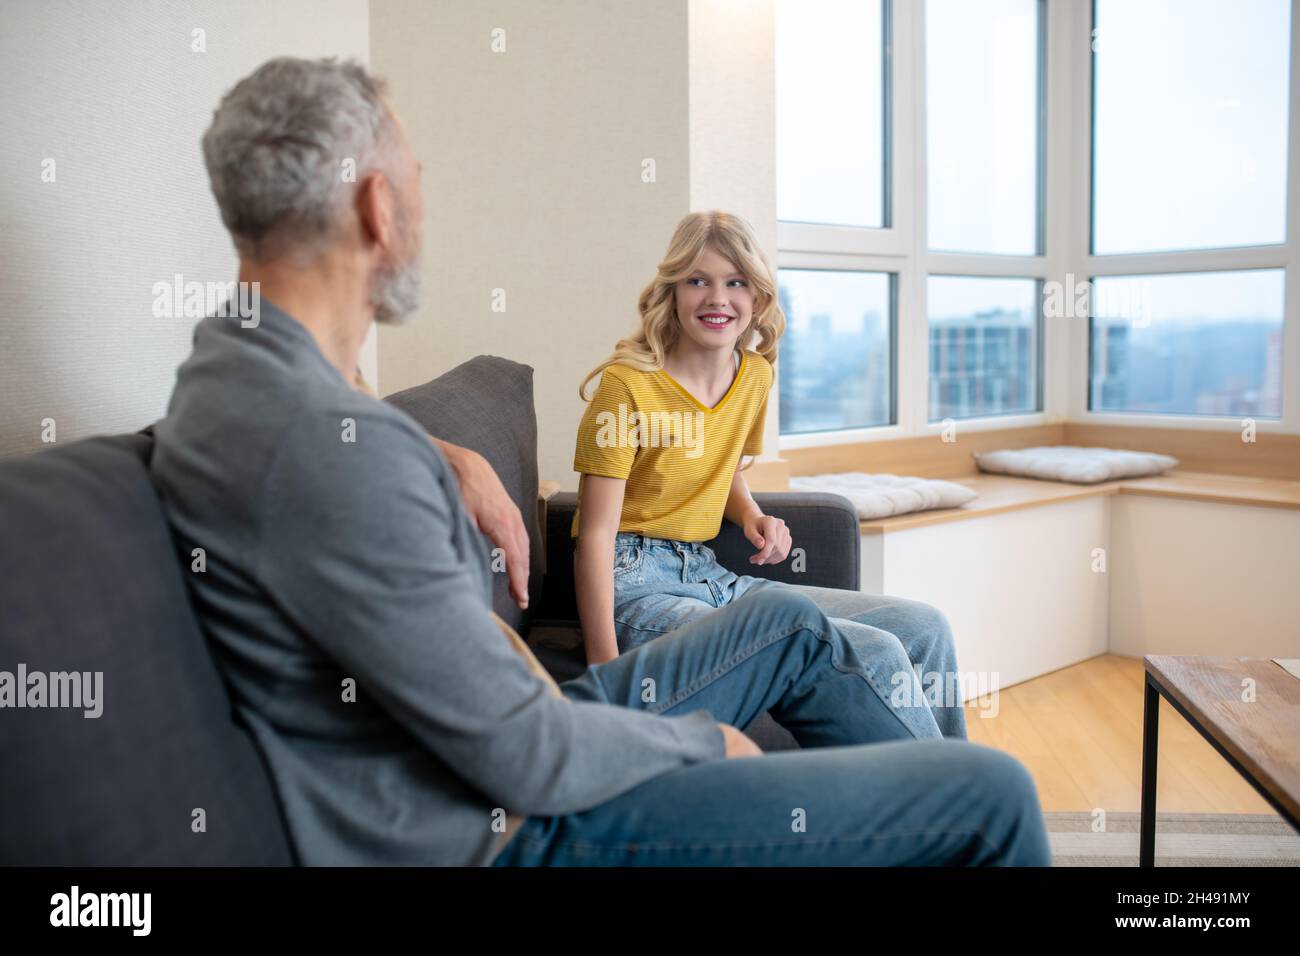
{"x":770,"y":536}
{"x":495,"y":514}
{"x":738,"y":745}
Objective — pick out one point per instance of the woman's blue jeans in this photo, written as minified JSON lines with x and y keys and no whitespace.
{"x":864,"y":791}
{"x":661,"y":584}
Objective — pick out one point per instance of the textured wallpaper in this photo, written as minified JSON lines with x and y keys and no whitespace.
{"x":103,"y":193}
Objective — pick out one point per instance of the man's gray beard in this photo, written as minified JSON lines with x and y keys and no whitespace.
{"x":396,"y":294}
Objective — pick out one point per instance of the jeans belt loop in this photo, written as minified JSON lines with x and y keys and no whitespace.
{"x":681,"y":553}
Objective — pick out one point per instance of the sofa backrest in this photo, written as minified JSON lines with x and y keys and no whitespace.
{"x":90,"y":582}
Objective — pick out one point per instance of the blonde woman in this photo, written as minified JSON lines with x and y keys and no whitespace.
{"x":660,"y":448}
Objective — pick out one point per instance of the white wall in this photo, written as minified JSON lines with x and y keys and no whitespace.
{"x":733,"y":128}
{"x":1197,"y":577}
{"x":114,"y":94}
{"x":533,"y":162}
{"x":532,"y":183}
{"x":532,"y":179}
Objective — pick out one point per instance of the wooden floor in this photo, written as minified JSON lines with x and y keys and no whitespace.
{"x":1079,"y":732}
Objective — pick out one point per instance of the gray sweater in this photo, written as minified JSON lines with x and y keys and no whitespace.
{"x":347,"y":597}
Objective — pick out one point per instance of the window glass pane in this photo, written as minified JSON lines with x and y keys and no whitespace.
{"x":829,"y":112}
{"x":1206,"y":343}
{"x":983,"y":346}
{"x":837,"y":353}
{"x":982,"y":137}
{"x":1189,"y":124}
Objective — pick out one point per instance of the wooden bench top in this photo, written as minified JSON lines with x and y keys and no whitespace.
{"x":1002,"y":493}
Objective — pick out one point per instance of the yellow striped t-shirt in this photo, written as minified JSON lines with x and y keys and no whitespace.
{"x":677,"y":454}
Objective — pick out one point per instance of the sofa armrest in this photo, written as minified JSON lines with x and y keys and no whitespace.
{"x":824,"y":526}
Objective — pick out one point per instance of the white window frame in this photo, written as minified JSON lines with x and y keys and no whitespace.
{"x":1284,"y":256}
{"x":1066,"y":183}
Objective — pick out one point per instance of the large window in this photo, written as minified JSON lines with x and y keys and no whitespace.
{"x":831,"y":96}
{"x":984,"y":346}
{"x":858,"y":259}
{"x":1189,"y":344}
{"x":1012,"y":212}
{"x":837,"y":367}
{"x":1189,"y":124}
{"x":1190,"y":131}
{"x":983,"y":70}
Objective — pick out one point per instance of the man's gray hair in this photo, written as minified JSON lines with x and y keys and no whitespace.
{"x":277,"y":148}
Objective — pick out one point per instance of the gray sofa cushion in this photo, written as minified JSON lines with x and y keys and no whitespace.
{"x":90,"y":581}
{"x":487,"y":404}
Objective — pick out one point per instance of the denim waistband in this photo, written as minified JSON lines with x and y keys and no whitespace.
{"x":636,"y":539}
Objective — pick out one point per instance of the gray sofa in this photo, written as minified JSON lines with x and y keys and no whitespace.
{"x":91,"y":581}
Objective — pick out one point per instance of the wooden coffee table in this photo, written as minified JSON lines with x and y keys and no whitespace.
{"x":1260,"y":737}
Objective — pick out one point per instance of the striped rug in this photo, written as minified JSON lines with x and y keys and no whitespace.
{"x":1182,"y":839}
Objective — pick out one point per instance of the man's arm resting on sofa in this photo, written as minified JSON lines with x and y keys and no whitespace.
{"x":389,"y":599}
{"x":491,"y":509}
{"x":487,"y":502}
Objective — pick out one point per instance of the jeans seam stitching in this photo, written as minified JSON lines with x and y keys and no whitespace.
{"x":584,"y":846}
{"x":638,"y":627}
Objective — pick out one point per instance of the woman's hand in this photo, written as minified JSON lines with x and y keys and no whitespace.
{"x":770,"y":536}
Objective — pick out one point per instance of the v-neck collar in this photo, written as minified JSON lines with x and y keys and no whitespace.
{"x":740,"y":370}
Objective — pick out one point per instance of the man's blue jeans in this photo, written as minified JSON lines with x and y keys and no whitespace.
{"x":661,"y":584}
{"x":865,"y":792}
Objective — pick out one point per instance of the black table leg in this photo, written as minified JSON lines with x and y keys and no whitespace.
{"x":1150,"y":732}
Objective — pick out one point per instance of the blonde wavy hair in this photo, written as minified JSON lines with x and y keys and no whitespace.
{"x":733,"y":238}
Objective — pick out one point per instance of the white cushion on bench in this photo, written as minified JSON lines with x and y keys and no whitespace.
{"x":879,"y":496}
{"x":1080,"y":465}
